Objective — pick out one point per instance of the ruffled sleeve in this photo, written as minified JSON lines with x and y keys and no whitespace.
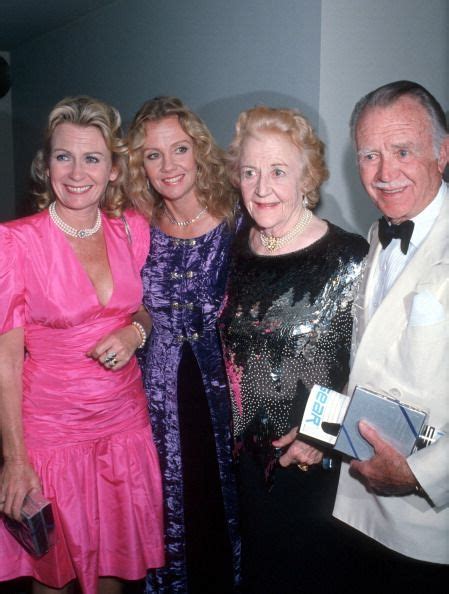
{"x":139,"y":236}
{"x":12,"y":285}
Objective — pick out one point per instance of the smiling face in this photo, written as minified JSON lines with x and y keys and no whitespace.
{"x":80,"y":166}
{"x":271,"y":181}
{"x":169,"y":160}
{"x":397,"y":162}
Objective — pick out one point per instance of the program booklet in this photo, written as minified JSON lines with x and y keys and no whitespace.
{"x":331,"y":419}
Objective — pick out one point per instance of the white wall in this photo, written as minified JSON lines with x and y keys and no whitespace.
{"x":365,"y":44}
{"x":221,"y":57}
{"x":6,"y":155}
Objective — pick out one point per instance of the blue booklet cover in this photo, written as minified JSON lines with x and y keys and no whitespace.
{"x":397,"y":422}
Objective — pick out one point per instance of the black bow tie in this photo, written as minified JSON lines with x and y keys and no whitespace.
{"x":388,"y":231}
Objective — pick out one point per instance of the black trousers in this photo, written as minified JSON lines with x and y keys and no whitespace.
{"x":368,"y":563}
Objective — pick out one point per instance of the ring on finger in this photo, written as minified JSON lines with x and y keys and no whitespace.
{"x":303,"y":467}
{"x":110,"y":356}
{"x":113,"y":362}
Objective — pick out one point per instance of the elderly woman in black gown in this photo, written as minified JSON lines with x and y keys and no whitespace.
{"x":285,"y":326}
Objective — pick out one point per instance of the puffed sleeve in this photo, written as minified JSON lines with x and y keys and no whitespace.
{"x":139,"y":235}
{"x":12,"y":286}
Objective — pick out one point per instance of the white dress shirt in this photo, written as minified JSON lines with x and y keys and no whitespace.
{"x":392,"y":261}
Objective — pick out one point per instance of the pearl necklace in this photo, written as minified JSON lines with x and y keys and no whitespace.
{"x":173,"y":221}
{"x":81,"y":233}
{"x":272,"y":243}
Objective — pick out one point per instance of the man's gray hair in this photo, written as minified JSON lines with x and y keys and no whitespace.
{"x":388,"y":94}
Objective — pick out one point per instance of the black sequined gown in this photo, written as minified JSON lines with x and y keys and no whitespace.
{"x":285,"y":326}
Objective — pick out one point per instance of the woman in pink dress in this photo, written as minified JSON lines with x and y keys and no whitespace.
{"x":73,"y":413}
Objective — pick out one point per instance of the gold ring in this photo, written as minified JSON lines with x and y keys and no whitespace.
{"x":303,"y":467}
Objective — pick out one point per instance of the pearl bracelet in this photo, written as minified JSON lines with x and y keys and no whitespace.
{"x":143,"y":335}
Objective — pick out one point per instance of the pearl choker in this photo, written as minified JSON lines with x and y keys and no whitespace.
{"x":81,"y":233}
{"x":173,"y":221}
{"x":272,"y":243}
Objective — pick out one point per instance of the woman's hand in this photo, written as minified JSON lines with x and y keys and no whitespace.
{"x":116,"y":349}
{"x":300,"y":453}
{"x":17,"y":480}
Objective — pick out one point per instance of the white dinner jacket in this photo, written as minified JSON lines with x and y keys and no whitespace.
{"x":403,"y":352}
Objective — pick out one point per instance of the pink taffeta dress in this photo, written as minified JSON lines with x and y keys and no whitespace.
{"x":86,"y":428}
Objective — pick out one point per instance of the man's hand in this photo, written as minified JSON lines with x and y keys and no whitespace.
{"x":387,"y":472}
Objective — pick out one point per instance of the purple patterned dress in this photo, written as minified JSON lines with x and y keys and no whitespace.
{"x":184,"y":282}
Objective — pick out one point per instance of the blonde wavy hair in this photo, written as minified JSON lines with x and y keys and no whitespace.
{"x":84,"y":111}
{"x":297,"y":128}
{"x":212,"y":185}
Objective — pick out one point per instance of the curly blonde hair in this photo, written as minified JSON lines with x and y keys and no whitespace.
{"x":212,"y":185}
{"x":84,"y":111}
{"x":298,"y":129}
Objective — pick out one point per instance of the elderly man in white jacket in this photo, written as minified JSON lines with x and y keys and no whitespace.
{"x":401,"y":338}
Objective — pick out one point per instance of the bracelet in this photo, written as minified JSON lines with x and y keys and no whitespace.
{"x":143,"y":335}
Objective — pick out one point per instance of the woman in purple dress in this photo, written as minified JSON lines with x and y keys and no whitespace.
{"x":178,"y":179}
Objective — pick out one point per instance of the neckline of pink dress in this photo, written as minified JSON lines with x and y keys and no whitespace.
{"x":111,"y":260}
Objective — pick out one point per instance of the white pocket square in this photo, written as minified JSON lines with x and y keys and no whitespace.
{"x":426,"y":310}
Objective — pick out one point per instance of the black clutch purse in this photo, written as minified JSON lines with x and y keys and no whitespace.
{"x":35,"y":531}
